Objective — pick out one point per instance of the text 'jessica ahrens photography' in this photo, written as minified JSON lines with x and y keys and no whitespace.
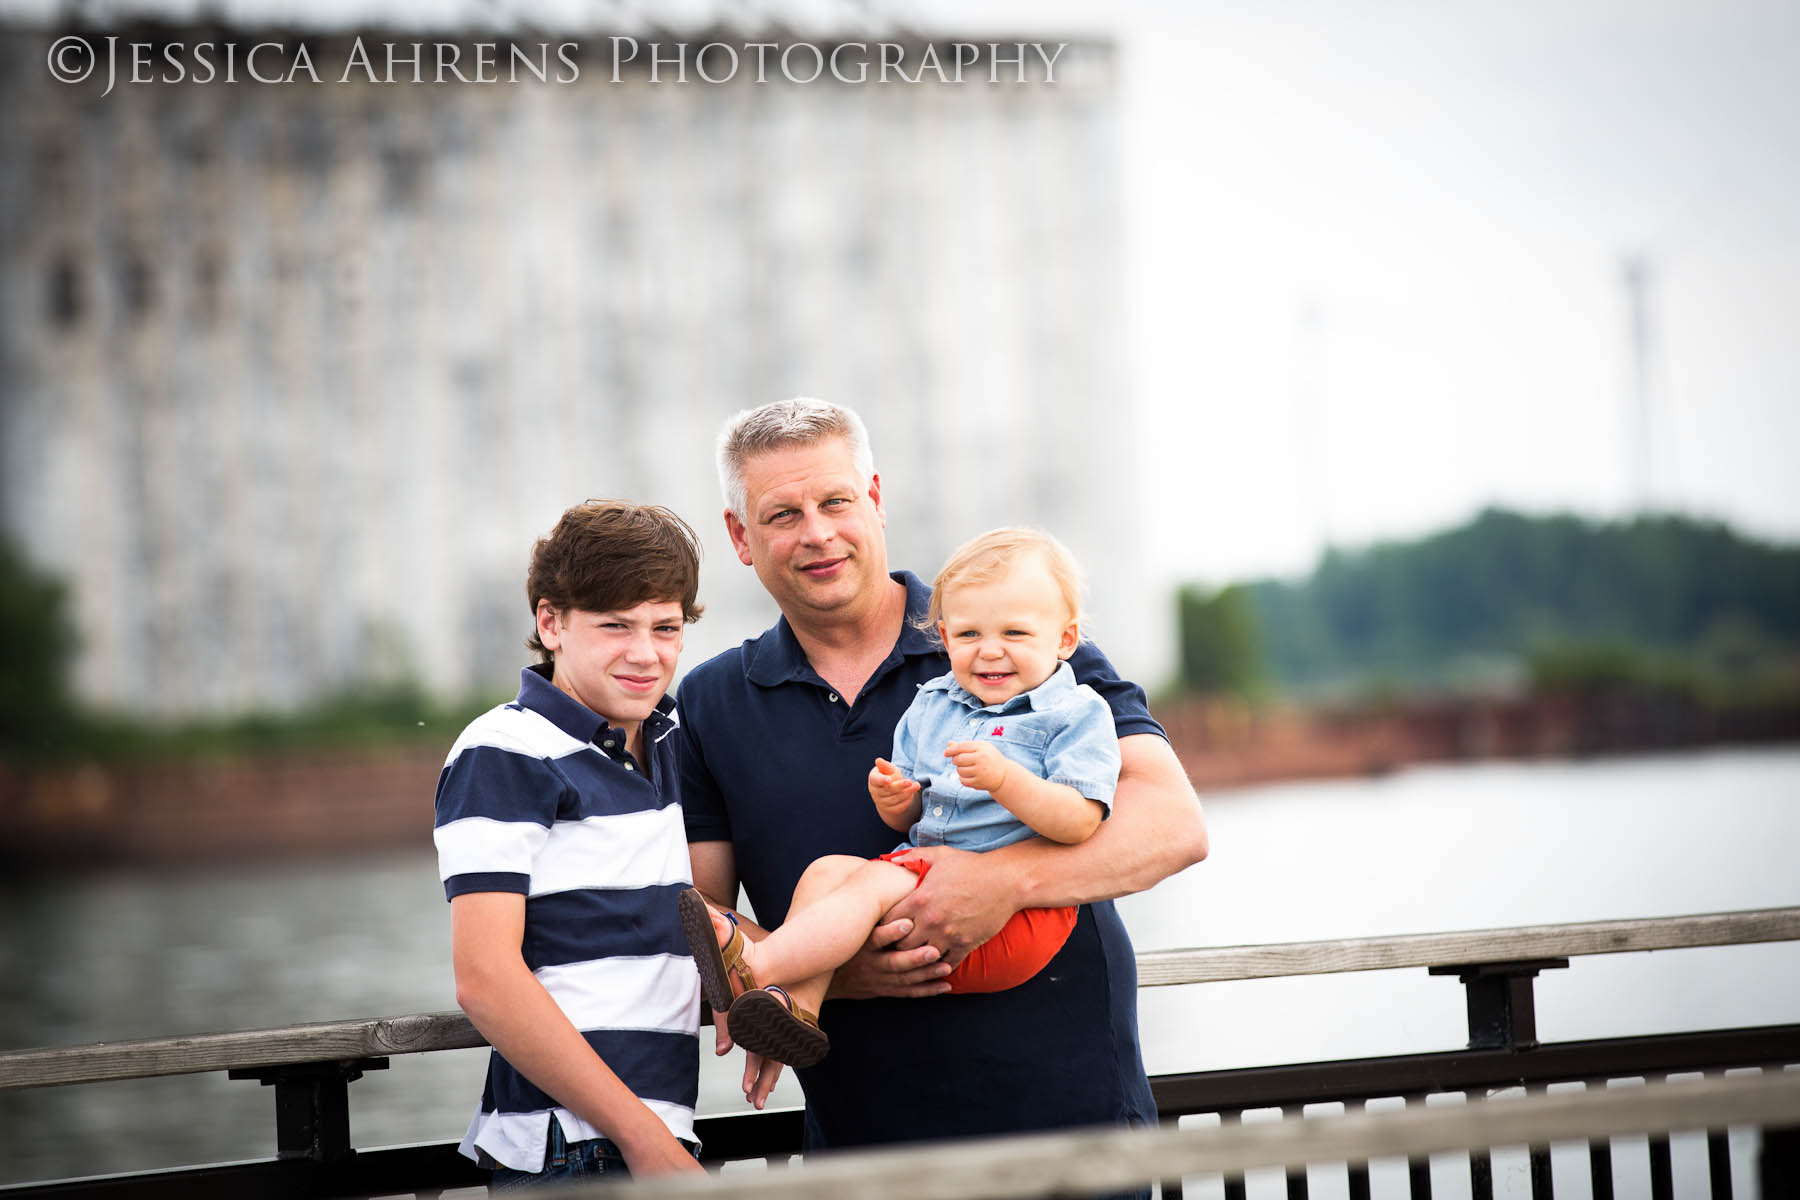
{"x":76,"y":59}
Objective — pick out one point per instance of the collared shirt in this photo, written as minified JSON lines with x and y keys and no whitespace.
{"x":541,"y":798}
{"x":1060,"y":730}
{"x":775,"y":762}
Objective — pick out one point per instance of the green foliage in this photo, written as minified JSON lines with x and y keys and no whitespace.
{"x":40,"y":723}
{"x":34,"y":628}
{"x":398,"y":716}
{"x":1221,"y":642}
{"x":1664,"y":600}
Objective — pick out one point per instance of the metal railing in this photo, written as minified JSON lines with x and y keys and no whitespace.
{"x":311,"y":1067}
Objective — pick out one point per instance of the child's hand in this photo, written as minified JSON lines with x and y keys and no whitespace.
{"x":978,"y":764}
{"x":891,"y":791}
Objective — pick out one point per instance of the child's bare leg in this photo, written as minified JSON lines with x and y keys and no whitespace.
{"x":837,"y":904}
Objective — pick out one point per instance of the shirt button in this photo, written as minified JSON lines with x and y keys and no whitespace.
{"x":629,"y":767}
{"x":831,"y":696}
{"x":937,"y":810}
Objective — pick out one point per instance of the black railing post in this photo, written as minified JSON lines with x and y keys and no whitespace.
{"x":1502,"y":1012}
{"x":312,"y":1105}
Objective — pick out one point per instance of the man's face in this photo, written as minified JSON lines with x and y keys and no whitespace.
{"x":618,"y":664}
{"x":812,"y":529}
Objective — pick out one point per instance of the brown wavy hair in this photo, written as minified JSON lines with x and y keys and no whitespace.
{"x":611,"y":555}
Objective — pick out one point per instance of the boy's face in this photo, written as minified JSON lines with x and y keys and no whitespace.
{"x":618,"y":664}
{"x":1008,"y":636}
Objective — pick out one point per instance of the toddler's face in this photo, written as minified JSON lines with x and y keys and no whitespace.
{"x":1007,"y":636}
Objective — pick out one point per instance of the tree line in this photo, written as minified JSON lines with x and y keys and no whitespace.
{"x":1513,"y":599}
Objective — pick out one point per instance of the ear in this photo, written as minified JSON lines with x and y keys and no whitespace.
{"x":739,"y":534}
{"x":549,"y":627}
{"x":875,"y":497}
{"x":1071,"y":638}
{"x":943,"y":629}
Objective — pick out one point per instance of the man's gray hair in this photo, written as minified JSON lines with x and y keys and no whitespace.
{"x":782,"y":425}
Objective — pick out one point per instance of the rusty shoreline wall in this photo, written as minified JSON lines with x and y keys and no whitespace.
{"x":202,"y":811}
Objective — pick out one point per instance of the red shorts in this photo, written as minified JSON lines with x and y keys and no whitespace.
{"x":1022,"y":948}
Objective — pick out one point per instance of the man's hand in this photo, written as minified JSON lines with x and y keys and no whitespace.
{"x":880,"y":968}
{"x":960,"y":904}
{"x":760,"y":1075}
{"x":978,"y":764}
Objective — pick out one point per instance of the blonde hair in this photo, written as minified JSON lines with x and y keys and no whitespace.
{"x":992,"y":555}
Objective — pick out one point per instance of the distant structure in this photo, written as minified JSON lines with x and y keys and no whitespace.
{"x":1635,"y":274}
{"x":292,"y":373}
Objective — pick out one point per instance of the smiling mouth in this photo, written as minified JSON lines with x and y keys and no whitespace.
{"x":637,"y":682}
{"x":993,"y":676}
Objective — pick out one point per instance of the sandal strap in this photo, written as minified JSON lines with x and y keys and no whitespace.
{"x":732,"y":954}
{"x":793,"y":1006}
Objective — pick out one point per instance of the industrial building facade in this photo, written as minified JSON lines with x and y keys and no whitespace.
{"x":292,"y":373}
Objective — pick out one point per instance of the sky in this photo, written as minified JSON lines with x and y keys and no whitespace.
{"x":1382,"y":267}
{"x":1375,"y":259}
{"x":1376,"y":264}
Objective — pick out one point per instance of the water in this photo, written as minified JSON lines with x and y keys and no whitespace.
{"x":137,"y":953}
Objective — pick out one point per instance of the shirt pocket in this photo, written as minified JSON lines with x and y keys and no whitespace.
{"x":1014,"y":740}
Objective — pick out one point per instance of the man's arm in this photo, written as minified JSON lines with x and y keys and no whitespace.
{"x":521,"y":1020}
{"x":1155,"y":830}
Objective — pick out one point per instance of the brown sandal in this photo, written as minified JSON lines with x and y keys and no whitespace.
{"x":717,"y":963}
{"x":766,"y":1021}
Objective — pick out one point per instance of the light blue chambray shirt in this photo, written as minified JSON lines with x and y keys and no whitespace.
{"x":1060,"y":730}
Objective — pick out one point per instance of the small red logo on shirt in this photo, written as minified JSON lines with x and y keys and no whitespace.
{"x":997,"y":730}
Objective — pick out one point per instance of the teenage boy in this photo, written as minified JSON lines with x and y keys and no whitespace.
{"x":561,"y":847}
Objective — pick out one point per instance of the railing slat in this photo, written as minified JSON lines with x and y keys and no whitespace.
{"x":1359,"y":1170}
{"x":1600,"y":1181}
{"x":1718,"y":1163}
{"x":1418,"y":1167}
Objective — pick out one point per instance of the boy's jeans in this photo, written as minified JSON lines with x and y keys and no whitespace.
{"x":565,"y":1162}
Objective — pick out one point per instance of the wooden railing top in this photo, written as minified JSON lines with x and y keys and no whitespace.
{"x":383,"y":1036}
{"x":1215,"y":965}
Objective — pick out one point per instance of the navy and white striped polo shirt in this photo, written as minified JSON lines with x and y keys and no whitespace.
{"x":539,"y":797}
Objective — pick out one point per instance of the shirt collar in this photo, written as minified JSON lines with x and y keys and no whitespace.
{"x":778,"y":658}
{"x":537,"y":694}
{"x":1045,"y":694}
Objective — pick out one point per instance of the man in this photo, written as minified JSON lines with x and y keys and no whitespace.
{"x":777,"y":739}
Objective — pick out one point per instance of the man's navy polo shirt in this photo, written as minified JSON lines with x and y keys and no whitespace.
{"x":773,"y":761}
